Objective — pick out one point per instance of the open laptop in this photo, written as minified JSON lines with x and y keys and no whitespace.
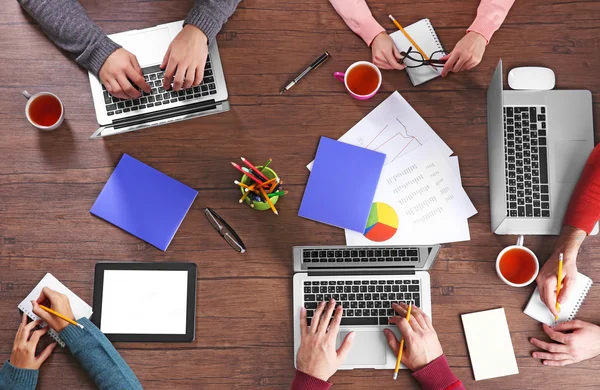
{"x":538,"y":143}
{"x":365,"y":281}
{"x":149,"y":45}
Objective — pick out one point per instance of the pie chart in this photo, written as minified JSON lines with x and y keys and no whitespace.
{"x":382,"y":223}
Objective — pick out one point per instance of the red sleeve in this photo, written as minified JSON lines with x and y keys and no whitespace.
{"x":304,"y":381}
{"x":438,"y":376}
{"x":584,"y":207}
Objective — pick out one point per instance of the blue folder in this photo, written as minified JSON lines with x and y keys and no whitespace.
{"x":342,"y":185}
{"x":144,"y":202}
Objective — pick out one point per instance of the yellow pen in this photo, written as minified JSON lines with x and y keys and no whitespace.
{"x":401,"y":345}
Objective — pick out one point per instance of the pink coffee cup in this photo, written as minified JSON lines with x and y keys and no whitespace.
{"x":365,"y":79}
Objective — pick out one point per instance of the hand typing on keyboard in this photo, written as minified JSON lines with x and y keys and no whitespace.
{"x":118,"y":71}
{"x":420,"y":340}
{"x":317,"y":355}
{"x":184,"y":61}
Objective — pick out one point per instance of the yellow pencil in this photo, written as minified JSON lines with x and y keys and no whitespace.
{"x":70,"y":321}
{"x":241,"y":184}
{"x":268,"y":200}
{"x":412,"y":41}
{"x":558,"y":283}
{"x":246,"y":192}
{"x":401,"y":345}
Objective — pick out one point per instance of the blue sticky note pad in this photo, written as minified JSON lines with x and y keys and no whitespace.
{"x":342,"y":185}
{"x":144,"y":202}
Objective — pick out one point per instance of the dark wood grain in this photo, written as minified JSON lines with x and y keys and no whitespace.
{"x":48,"y":182}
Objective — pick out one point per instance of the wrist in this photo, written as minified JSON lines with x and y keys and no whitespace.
{"x":196,"y":31}
{"x":477,"y":36}
{"x":570,"y":241}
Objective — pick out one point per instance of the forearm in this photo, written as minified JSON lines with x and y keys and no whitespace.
{"x":358,"y":17}
{"x":13,"y":378}
{"x":210,"y":15}
{"x":98,"y":357}
{"x":66,"y":23}
{"x":303,"y":381}
{"x":490,"y":16}
{"x":437,"y":375}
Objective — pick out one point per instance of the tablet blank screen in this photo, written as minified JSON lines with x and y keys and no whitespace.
{"x":144,"y":302}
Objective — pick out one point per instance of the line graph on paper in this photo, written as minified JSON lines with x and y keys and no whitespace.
{"x":394,"y":139}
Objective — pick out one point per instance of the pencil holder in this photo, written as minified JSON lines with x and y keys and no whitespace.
{"x":268,"y":172}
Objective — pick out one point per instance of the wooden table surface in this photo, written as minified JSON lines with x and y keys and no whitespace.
{"x":244,"y":337}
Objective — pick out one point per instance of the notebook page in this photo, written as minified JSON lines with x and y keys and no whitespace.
{"x":78,"y":306}
{"x":539,"y":312}
{"x":423,"y":33}
{"x":490,"y":346}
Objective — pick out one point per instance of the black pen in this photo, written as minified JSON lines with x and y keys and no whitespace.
{"x":312,"y":66}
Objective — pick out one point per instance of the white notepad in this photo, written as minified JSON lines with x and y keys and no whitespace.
{"x":78,"y":306}
{"x":423,"y":33}
{"x":539,"y":312}
{"x":490,"y":346}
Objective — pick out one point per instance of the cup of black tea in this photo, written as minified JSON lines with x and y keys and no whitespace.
{"x":44,"y":110}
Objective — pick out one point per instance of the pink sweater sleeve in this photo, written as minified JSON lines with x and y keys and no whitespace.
{"x":358,"y":17}
{"x":490,"y":15}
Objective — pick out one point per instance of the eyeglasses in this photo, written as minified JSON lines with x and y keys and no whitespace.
{"x":418,"y":60}
{"x":225,"y":230}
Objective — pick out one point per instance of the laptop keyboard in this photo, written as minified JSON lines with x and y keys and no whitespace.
{"x":365,"y":302}
{"x":158,"y":96}
{"x":526,"y":162}
{"x":360,"y":255}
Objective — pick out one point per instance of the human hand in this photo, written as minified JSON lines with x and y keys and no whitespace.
{"x":23,"y":352}
{"x":467,"y":54}
{"x":58,"y":302}
{"x":385,"y":53}
{"x":119,"y":68}
{"x":186,"y":56}
{"x":317,"y":356}
{"x":582,"y":343}
{"x":420,"y":340}
{"x":568,"y":244}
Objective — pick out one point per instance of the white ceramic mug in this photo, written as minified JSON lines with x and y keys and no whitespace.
{"x":519,"y":245}
{"x":31,"y":98}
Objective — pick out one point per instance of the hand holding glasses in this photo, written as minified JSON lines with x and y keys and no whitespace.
{"x":225,"y":230}
{"x":417,"y":60}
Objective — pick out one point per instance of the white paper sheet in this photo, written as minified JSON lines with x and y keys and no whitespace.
{"x":393,"y":128}
{"x":144,"y":302}
{"x":430,"y":205}
{"x":490,"y":345}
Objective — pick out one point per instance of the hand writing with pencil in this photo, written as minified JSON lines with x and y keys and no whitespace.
{"x":317,"y":355}
{"x":59,"y":303}
{"x":421,"y":341}
{"x":25,"y":345}
{"x":568,"y":243}
{"x":572,"y":342}
{"x":466,"y":55}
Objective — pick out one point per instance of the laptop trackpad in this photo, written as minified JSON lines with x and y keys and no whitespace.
{"x":569,"y":160}
{"x":149,"y":46}
{"x":368,"y":347}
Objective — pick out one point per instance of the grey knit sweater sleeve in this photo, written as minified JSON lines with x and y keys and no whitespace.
{"x":70,"y":28}
{"x":210,"y":15}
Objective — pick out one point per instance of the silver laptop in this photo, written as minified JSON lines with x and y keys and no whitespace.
{"x":538,"y":143}
{"x":149,"y":45}
{"x":365,"y":281}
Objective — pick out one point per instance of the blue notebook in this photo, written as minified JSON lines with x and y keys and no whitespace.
{"x":342,"y":185}
{"x":144,"y":202}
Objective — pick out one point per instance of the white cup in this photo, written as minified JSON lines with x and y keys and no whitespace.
{"x":519,"y":245}
{"x":31,"y":98}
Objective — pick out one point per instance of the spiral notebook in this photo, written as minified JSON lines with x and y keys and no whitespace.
{"x":539,"y":312}
{"x":78,"y":306}
{"x":423,"y":33}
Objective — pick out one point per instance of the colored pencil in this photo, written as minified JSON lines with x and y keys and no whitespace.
{"x":70,"y":321}
{"x":266,"y":164}
{"x":274,"y":180}
{"x":241,"y":184}
{"x":278,"y":193}
{"x":558,"y":283}
{"x":247,"y":191}
{"x":249,"y":174}
{"x":251,"y":166}
{"x":268,"y":200}
{"x":401,"y":345}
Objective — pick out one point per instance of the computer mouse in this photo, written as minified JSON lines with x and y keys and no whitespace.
{"x":531,"y":77}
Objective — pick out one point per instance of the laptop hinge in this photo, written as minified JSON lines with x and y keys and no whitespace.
{"x":342,"y":272}
{"x":162,"y":114}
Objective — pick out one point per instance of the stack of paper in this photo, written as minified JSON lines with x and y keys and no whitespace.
{"x":419,"y":199}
